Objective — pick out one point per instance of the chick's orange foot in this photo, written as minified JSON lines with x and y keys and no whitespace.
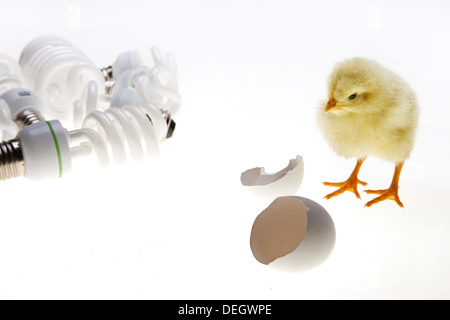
{"x":350,"y":185}
{"x":392,"y":192}
{"x":387,"y":194}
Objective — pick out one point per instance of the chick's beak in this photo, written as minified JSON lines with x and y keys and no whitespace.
{"x":330,"y":104}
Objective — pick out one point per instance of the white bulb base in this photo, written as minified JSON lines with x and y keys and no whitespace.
{"x":45,"y":150}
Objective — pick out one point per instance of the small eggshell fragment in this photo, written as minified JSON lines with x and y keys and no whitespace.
{"x":283,"y":182}
{"x":283,"y":238}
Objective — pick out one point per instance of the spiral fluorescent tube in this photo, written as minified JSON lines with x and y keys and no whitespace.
{"x":61,"y":75}
{"x":143,"y":102}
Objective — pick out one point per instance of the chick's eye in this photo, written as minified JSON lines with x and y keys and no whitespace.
{"x":353,"y":96}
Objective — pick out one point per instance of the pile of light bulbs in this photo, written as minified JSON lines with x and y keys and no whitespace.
{"x":124,"y":110}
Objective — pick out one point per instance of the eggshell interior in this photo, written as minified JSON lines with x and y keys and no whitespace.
{"x":279,"y":229}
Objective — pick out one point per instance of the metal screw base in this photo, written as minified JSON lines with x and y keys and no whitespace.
{"x":28,"y":117}
{"x":107,"y":73}
{"x":12,"y":164}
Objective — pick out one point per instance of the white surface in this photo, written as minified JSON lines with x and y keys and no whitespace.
{"x":251,"y":75}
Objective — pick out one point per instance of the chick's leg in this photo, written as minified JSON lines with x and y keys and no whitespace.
{"x":392,"y":192}
{"x":350,"y":185}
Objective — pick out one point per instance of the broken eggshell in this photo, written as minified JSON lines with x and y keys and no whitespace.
{"x":285,"y":181}
{"x":293,"y":234}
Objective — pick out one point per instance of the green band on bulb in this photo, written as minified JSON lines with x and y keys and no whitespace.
{"x":57,"y":147}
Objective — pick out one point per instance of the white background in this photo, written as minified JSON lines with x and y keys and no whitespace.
{"x":252,"y":74}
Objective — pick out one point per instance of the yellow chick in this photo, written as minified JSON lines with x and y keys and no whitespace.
{"x":371,"y":111}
